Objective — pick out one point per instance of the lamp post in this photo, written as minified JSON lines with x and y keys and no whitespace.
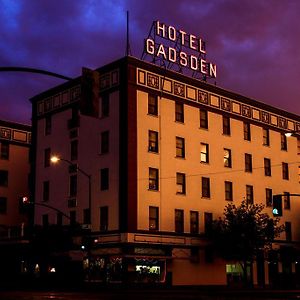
{"x":55,"y":159}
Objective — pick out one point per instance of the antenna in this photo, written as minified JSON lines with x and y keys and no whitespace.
{"x":128,"y":50}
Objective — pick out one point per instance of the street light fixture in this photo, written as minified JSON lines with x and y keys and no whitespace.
{"x":56,"y":159}
{"x":292,"y":133}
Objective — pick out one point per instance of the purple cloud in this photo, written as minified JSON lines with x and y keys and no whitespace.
{"x":254,"y":43}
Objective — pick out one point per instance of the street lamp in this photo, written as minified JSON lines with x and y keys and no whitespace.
{"x":292,"y":133}
{"x":56,"y":159}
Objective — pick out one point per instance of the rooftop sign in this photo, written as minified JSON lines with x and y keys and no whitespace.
{"x":173,"y":46}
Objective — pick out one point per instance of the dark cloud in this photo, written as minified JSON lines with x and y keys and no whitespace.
{"x":253,"y":42}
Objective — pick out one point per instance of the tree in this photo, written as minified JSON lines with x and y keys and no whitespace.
{"x":243,"y":232}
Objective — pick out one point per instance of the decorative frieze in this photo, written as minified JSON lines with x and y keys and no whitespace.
{"x":73,"y":94}
{"x":15,"y":135}
{"x":232,"y":106}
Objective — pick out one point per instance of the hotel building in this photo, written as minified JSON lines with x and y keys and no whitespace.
{"x":155,"y":156}
{"x":15,"y":141}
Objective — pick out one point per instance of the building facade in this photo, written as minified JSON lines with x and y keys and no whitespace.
{"x":15,"y":140}
{"x":148,"y":158}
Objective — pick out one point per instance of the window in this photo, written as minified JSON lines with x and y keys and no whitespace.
{"x":180,"y":183}
{"x":4,"y":151}
{"x":48,"y":125}
{"x":45,"y":220}
{"x":3,"y":178}
{"x":46,"y":190}
{"x":205,"y":187}
{"x":104,"y":180}
{"x":247,"y":132}
{"x":204,"y":155}
{"x":72,"y":217}
{"x":248,"y":162}
{"x":152,"y":105}
{"x":179,"y":221}
{"x":153,"y":141}
{"x":73,"y":186}
{"x":266,"y":137}
{"x":267,"y":166}
{"x":104,"y":142}
{"x":179,"y":112}
{"x":249,"y":194}
{"x":74,"y":150}
{"x":153,"y":218}
{"x":194,"y":222}
{"x":47,"y":155}
{"x":86,"y":216}
{"x":228,"y":191}
{"x":226,"y":125}
{"x":208,"y":219}
{"x":153,"y":179}
{"x":59,"y":219}
{"x":203,"y":119}
{"x":288,"y":231}
{"x":269,"y":196}
{"x":180,"y":147}
{"x":283,"y":141}
{"x":227,"y":158}
{"x":105,"y":105}
{"x":104,"y":218}
{"x":285,"y":171}
{"x":286,"y":200}
{"x":3,"y":205}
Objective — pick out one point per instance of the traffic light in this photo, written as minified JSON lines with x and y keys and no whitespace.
{"x":277,"y":205}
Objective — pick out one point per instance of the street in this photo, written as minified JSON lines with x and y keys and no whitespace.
{"x":157,"y":294}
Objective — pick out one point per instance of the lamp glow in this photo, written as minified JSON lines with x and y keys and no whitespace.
{"x":54,"y":159}
{"x":288,"y":134}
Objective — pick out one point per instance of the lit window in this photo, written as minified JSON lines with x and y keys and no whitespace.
{"x":227,"y":158}
{"x":204,"y":155}
{"x":180,"y":183}
{"x":153,"y":218}
{"x":180,"y":147}
{"x":153,"y":179}
{"x":153,"y":141}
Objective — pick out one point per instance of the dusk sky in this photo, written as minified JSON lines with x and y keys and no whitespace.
{"x":254,"y":43}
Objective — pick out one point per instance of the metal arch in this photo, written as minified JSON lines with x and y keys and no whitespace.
{"x":32,"y":70}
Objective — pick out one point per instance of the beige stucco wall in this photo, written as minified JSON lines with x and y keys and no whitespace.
{"x":166,"y":198}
